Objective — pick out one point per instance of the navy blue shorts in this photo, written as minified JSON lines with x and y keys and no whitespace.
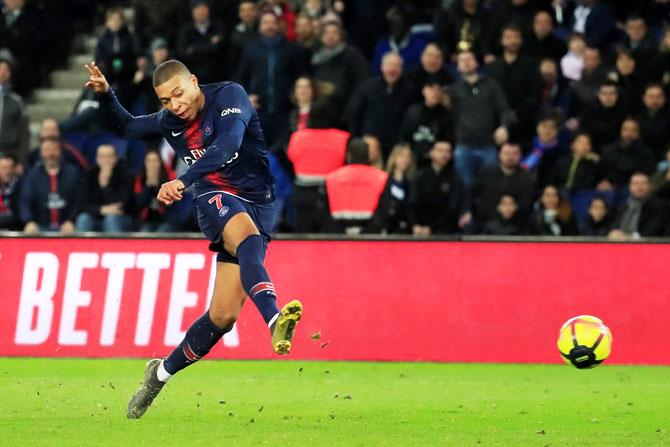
{"x":215,"y":209}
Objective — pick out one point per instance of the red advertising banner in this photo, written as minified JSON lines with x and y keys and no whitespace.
{"x":431,"y":301}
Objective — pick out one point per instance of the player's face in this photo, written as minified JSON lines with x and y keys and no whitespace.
{"x":179,"y":95}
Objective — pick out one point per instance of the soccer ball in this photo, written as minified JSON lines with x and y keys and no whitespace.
{"x":584,"y":341}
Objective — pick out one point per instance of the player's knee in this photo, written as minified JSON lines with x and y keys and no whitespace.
{"x":251,"y":251}
{"x":223,"y":318}
{"x":237,"y":230}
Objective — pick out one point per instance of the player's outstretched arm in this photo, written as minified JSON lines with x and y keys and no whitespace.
{"x":125,"y":124}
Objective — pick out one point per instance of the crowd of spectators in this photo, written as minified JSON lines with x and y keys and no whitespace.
{"x":501,"y":117}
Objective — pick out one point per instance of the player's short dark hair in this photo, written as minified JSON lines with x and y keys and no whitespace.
{"x":168,"y":69}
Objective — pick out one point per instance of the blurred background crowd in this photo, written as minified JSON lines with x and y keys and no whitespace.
{"x":500,"y":117}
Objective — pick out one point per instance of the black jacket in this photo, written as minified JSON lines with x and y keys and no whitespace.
{"x":436,"y":200}
{"x":424,"y":125}
{"x":603,"y":124}
{"x":120,"y":189}
{"x":653,"y":217}
{"x":202,"y":56}
{"x":393,"y":211}
{"x":491,"y":183}
{"x":478,"y":109}
{"x":450,"y":28}
{"x":586,"y":176}
{"x":505,"y":227}
{"x":655,"y":130}
{"x":521,"y":83}
{"x":378,"y":109}
{"x":343,"y":70}
{"x":619,"y":162}
{"x":592,"y":228}
{"x":541,"y":226}
{"x":116,"y":55}
{"x":551,"y":47}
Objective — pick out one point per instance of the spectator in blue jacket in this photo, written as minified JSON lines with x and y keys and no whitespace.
{"x":269,"y":67}
{"x":399,"y":40}
{"x":49,"y":196}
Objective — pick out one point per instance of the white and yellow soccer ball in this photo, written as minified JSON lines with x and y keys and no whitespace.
{"x":584,"y":341}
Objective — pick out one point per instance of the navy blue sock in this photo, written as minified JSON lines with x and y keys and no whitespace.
{"x":199,"y":339}
{"x":255,"y":279}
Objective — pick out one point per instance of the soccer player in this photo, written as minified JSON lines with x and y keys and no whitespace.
{"x":217,"y":132}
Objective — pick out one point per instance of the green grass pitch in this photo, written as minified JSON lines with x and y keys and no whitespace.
{"x":232,"y":403}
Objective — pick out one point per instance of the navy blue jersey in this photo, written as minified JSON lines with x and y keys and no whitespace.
{"x":223,"y":147}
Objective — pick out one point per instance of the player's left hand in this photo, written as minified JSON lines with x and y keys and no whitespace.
{"x":170,"y":192}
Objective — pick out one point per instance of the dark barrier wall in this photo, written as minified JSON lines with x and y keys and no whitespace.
{"x":441,"y":301}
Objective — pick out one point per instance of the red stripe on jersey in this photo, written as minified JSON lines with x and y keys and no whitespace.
{"x":193,"y":135}
{"x":223,"y":184}
{"x":53,"y":187}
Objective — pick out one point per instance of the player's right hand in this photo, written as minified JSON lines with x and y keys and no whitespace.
{"x":96,"y":80}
